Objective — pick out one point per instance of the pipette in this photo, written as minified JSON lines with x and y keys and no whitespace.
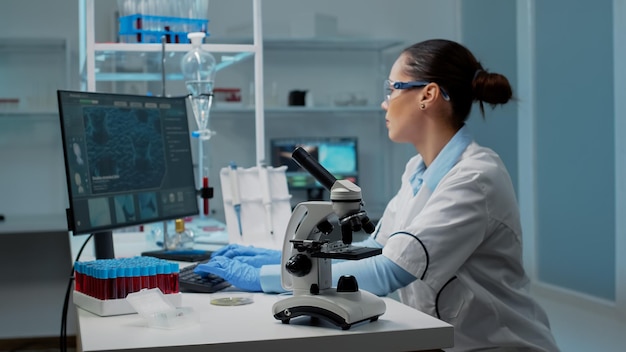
{"x":266,"y":196}
{"x":234,"y":189}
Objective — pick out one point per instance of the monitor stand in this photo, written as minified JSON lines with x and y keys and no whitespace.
{"x":103,"y":245}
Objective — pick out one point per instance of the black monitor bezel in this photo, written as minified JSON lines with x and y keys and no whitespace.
{"x":71,"y":196}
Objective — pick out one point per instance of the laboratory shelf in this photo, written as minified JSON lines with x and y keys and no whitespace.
{"x":41,"y":223}
{"x":136,"y":76}
{"x":44,"y":113}
{"x":32,"y":45}
{"x":293,"y":110}
{"x":109,"y":58}
{"x":321,"y":43}
{"x":147,"y":58}
{"x":156,"y":47}
{"x":221,"y":45}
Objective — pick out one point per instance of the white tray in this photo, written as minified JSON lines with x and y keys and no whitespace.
{"x":115,"y":306}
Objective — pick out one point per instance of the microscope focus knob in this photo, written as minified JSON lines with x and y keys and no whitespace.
{"x":299,"y":265}
{"x":347,"y":283}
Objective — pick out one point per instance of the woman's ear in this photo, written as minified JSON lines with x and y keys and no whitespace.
{"x":429,"y":93}
{"x":427,"y":96}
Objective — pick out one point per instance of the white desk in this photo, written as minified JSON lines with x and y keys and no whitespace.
{"x":253,"y":327}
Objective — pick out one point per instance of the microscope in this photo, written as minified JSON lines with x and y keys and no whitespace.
{"x":308,"y":251}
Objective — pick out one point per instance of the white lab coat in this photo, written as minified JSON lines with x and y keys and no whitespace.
{"x":463,"y":243}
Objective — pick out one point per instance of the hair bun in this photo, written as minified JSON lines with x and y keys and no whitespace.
{"x":491,"y":88}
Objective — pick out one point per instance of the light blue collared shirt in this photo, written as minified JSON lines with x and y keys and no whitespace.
{"x":445,"y":161}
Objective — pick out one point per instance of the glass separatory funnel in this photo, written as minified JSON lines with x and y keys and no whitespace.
{"x":198,"y":68}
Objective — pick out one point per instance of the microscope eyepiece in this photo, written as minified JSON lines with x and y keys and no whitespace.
{"x":304,"y":159}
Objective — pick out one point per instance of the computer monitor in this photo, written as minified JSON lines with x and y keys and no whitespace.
{"x":128,"y":162}
{"x":339,"y":155}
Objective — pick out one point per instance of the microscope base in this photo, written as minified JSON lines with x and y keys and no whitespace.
{"x":343,"y":309}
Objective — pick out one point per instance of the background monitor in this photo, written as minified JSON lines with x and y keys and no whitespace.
{"x":127,"y":159}
{"x":339,"y":155}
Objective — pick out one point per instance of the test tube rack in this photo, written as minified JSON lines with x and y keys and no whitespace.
{"x":101,"y":286}
{"x":139,"y":28}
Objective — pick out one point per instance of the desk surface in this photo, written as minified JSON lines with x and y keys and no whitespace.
{"x":253,"y":327}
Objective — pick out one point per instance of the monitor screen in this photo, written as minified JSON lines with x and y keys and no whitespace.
{"x":127,"y":160}
{"x":338,"y":155}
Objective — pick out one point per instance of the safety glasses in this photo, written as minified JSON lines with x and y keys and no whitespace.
{"x":390,"y":86}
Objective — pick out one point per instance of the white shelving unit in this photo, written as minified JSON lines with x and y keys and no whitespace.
{"x":32,"y":69}
{"x":89,"y":49}
{"x":35,"y":68}
{"x":141,"y":68}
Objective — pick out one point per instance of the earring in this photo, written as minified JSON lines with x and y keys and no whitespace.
{"x":422,"y":106}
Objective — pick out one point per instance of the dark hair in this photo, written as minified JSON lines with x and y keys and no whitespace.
{"x":455,"y":69}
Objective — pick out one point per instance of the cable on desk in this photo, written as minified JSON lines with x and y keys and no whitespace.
{"x":63,"y":336}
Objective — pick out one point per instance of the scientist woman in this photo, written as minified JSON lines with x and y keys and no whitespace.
{"x":451,"y":237}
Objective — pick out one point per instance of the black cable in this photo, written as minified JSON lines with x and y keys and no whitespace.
{"x":66,"y":302}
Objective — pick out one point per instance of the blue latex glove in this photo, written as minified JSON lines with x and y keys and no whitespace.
{"x":241,"y":275}
{"x":255,"y":256}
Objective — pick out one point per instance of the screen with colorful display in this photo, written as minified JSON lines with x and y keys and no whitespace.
{"x":339,"y":155}
{"x":128,"y":160}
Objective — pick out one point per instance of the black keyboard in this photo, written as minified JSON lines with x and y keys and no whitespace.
{"x":180,"y":255}
{"x":192,"y":282}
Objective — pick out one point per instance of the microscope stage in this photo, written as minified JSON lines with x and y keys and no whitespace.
{"x":351,"y":253}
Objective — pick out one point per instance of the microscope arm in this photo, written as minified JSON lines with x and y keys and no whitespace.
{"x":302,"y":226}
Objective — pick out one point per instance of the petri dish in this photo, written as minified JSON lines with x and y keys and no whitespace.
{"x":231,"y":299}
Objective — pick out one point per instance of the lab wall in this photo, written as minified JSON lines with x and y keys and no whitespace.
{"x":568,"y":156}
{"x":575,"y":146}
{"x":488,"y":29}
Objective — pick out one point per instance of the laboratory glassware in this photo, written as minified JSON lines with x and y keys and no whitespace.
{"x":198,"y":68}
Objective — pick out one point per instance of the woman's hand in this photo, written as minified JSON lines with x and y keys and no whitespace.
{"x":254,"y":256}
